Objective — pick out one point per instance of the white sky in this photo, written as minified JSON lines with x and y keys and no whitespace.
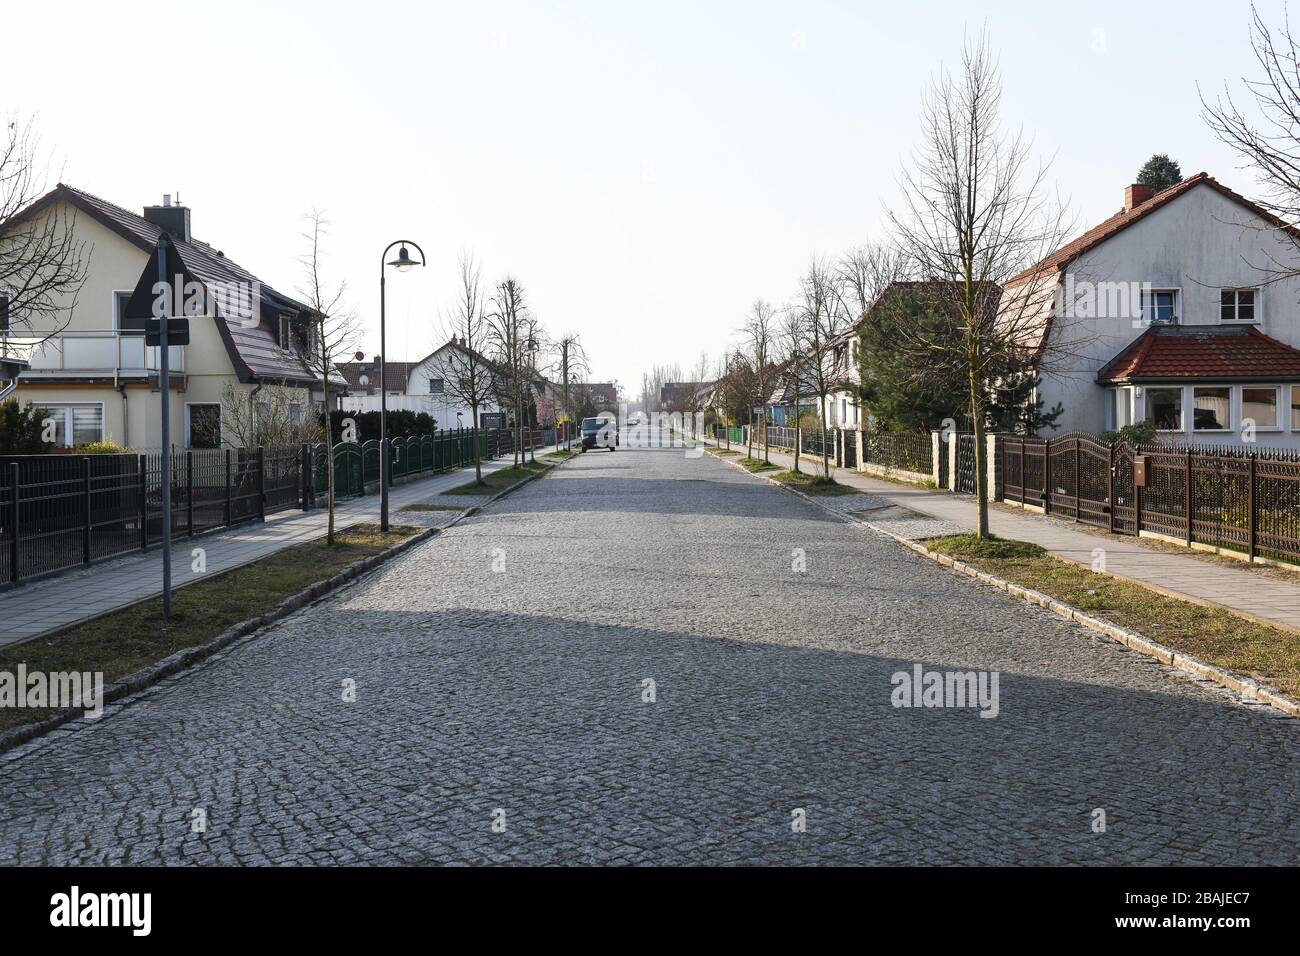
{"x":646,"y":170}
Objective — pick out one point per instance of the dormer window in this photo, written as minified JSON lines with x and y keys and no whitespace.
{"x":1160,"y":307}
{"x":286,"y":332}
{"x":1238,"y":305}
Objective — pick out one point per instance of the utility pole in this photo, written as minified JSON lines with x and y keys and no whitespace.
{"x":164,"y":385}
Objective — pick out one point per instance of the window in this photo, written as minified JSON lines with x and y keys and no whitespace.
{"x":4,"y":313}
{"x":203,"y":426}
{"x":295,"y":414}
{"x":1237,"y":305}
{"x":1212,"y":409}
{"x":285,"y":329}
{"x":76,"y":424}
{"x":436,"y":386}
{"x":1160,"y":307}
{"x":1295,"y":408}
{"x":1259,"y":405}
{"x":120,"y":298}
{"x":1165,"y":408}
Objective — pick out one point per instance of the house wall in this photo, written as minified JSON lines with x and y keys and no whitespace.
{"x":1200,"y":243}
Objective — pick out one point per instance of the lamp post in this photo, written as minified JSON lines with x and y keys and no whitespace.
{"x":403,"y":263}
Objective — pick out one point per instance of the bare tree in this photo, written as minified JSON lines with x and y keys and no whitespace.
{"x":792,"y":340}
{"x":470,"y":377}
{"x":825,"y":312}
{"x":759,"y":343}
{"x":508,"y":333}
{"x":268,"y":415}
{"x":1269,"y":141}
{"x":572,"y":365}
{"x":42,"y":262}
{"x":974,"y":216}
{"x":334,"y":332}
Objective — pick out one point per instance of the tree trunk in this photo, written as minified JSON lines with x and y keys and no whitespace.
{"x":977,"y":421}
{"x":478,"y":462}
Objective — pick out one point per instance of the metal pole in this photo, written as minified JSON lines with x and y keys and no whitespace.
{"x":383,"y":411}
{"x":164,"y":385}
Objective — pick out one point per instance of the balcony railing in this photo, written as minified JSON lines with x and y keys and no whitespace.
{"x":93,"y":353}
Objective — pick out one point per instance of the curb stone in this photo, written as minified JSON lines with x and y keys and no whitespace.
{"x":189,"y":657}
{"x":1248,"y":688}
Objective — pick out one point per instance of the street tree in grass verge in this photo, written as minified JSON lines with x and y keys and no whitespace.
{"x":974,"y":215}
{"x":469,"y":376}
{"x":334,"y":332}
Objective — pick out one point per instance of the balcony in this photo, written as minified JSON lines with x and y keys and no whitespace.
{"x":92,"y":355}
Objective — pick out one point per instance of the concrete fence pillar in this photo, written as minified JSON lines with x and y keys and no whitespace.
{"x":936,"y":459}
{"x":993,"y":444}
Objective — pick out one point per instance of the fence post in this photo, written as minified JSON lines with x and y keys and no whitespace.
{"x":1254,"y":512}
{"x":13,"y":522}
{"x":228,"y":514}
{"x":144,"y":504}
{"x":85,"y":516}
{"x":1191,"y":503}
{"x":1110,"y":485}
{"x":261,"y":483}
{"x":1137,"y":499}
{"x":1047,"y":477}
{"x":1077,"y":452}
{"x":189,"y":493}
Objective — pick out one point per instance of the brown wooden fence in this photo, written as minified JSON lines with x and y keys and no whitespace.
{"x":1228,"y":497}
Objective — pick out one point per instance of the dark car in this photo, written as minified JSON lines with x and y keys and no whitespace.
{"x":600,"y":432}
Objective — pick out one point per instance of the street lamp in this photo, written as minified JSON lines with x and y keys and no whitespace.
{"x":403,"y":263}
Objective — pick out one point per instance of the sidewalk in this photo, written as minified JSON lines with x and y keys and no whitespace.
{"x":1256,"y":595}
{"x":30,"y":610}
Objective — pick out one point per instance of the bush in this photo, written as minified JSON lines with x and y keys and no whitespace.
{"x":401,"y":424}
{"x":1141,"y":433}
{"x":106,"y":447}
{"x":20,"y":429}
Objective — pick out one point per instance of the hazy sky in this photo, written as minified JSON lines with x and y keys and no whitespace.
{"x":645,"y":169}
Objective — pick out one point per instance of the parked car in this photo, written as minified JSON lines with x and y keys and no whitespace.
{"x":599,"y":432}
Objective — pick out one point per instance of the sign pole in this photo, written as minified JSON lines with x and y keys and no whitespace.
{"x":164,"y":385}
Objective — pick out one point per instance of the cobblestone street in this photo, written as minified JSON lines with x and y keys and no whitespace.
{"x":499,"y":712}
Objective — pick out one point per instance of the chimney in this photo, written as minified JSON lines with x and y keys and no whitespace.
{"x":174,"y":220}
{"x":1136,"y":195}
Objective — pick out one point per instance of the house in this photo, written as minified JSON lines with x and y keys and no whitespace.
{"x":426,"y":386}
{"x":1170,"y":312}
{"x":99,"y":381}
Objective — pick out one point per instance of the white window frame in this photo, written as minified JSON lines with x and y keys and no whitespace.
{"x":221,"y":433}
{"x":1233,"y":403}
{"x":1178,"y":305}
{"x":1182,"y":405}
{"x":1292,"y":407}
{"x":1277,"y":391}
{"x":116,"y":319}
{"x":442,"y":385}
{"x":1259,"y":315}
{"x":69,"y":439}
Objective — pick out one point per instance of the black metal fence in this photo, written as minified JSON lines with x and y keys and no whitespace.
{"x":903,"y":451}
{"x":1224,"y":496}
{"x":61,"y":511}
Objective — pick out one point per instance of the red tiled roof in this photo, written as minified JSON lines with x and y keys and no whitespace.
{"x":1125,"y":218}
{"x":1203,"y":353}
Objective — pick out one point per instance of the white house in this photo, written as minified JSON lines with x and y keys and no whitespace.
{"x":1167,"y":312}
{"x":423,"y":386}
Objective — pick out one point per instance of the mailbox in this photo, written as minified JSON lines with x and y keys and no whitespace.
{"x":1140,"y":471}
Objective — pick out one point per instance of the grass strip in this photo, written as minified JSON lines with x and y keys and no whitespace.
{"x":1215,"y":635}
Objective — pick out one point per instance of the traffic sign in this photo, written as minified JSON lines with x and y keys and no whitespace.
{"x":178,"y":332}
